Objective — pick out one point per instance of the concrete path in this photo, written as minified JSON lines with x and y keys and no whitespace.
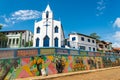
{"x":78,"y":75}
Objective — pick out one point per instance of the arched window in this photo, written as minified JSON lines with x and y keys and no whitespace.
{"x":37,"y":42}
{"x":56,"y":29}
{"x":56,"y":42}
{"x":47,"y":14}
{"x":46,"y":41}
{"x":38,"y":30}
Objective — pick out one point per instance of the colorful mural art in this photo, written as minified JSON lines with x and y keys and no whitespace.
{"x":54,"y":62}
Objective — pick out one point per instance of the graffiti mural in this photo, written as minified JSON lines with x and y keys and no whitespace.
{"x":35,"y":62}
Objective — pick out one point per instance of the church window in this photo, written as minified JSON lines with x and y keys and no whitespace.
{"x":56,"y":42}
{"x":38,"y":30}
{"x":37,"y":42}
{"x":46,"y":41}
{"x":56,"y":29}
{"x":47,"y":14}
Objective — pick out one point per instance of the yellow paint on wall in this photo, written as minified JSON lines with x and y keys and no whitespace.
{"x":27,"y":69}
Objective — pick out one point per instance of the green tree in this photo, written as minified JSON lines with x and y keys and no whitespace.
{"x":29,"y":44}
{"x":3,"y":39}
{"x":95,"y":35}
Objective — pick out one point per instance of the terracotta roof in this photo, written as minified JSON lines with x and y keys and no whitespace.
{"x":116,"y":49}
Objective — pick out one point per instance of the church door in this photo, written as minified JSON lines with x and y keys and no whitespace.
{"x":37,"y":42}
{"x":46,"y":41}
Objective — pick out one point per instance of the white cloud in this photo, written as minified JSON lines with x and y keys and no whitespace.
{"x":116,"y":44}
{"x":117,"y":22}
{"x":25,"y":15}
{"x":101,"y":5}
{"x":21,"y":15}
{"x":116,"y":38}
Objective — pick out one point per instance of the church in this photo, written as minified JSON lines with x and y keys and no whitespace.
{"x":48,"y":32}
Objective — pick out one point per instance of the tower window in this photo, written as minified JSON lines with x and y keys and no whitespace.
{"x":56,"y":29}
{"x":38,"y":30}
{"x":47,"y":14}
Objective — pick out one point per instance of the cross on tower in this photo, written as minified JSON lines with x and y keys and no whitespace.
{"x":46,"y":26}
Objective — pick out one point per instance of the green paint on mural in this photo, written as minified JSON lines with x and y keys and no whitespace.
{"x":18,"y":70}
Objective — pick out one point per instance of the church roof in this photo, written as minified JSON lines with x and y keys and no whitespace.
{"x":47,"y":8}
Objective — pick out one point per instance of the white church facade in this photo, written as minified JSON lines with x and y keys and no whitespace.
{"x":48,"y":32}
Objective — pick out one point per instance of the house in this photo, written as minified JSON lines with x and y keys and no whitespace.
{"x":82,"y":42}
{"x":17,"y":38}
{"x":103,"y":46}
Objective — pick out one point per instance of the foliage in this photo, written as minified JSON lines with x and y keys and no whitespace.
{"x":3,"y":38}
{"x":29,"y":44}
{"x":95,"y":35}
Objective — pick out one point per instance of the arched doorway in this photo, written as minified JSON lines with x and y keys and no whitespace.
{"x":46,"y":41}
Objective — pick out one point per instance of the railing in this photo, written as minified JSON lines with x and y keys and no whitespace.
{"x":27,"y":52}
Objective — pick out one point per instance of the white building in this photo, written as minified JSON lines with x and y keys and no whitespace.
{"x":17,"y":38}
{"x":48,"y":32}
{"x":82,"y":42}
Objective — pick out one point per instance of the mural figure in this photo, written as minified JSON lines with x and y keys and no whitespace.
{"x":92,"y":63}
{"x":78,"y":64}
{"x":36,"y":65}
{"x":60,"y":63}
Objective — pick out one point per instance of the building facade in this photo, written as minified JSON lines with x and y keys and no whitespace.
{"x":82,"y":42}
{"x":104,"y":46}
{"x":17,"y":38}
{"x":48,"y":32}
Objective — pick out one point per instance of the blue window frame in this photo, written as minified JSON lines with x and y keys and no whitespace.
{"x":46,"y":41}
{"x":37,"y":42}
{"x":56,"y":42}
{"x":56,"y":29}
{"x":38,"y":30}
{"x":73,"y":38}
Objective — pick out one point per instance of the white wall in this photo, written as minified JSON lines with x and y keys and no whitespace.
{"x":78,"y":42}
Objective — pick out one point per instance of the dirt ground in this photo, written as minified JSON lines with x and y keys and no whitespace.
{"x":112,"y":74}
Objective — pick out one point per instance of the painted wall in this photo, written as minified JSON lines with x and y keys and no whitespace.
{"x":27,"y":67}
{"x":23,"y":63}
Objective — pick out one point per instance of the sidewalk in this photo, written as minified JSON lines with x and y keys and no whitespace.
{"x":65,"y":74}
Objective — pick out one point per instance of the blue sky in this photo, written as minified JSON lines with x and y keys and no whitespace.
{"x":83,"y":16}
